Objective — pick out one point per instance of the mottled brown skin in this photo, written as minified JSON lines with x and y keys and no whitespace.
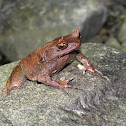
{"x":46,"y":61}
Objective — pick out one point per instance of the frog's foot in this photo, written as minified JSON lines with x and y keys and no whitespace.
{"x":90,"y":68}
{"x":9,"y":89}
{"x":63,"y":85}
{"x":4,"y":90}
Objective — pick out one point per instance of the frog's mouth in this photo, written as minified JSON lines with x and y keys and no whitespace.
{"x":72,"y":51}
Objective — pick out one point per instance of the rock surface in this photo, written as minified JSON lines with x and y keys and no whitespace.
{"x":113,"y":42}
{"x":120,"y":1}
{"x":27,"y":25}
{"x":100,"y":101}
{"x":122,"y":35}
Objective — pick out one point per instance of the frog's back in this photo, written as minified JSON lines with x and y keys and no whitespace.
{"x":32,"y":64}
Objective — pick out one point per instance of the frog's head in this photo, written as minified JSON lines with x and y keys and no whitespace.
{"x":68,"y":43}
{"x":63,"y":45}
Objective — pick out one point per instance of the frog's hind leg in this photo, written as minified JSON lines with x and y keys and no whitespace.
{"x":16,"y":79}
{"x":7,"y":86}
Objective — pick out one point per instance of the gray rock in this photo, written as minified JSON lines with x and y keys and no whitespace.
{"x":1,"y":3}
{"x":120,"y":1}
{"x":122,"y":34}
{"x":112,"y":41}
{"x":100,"y":101}
{"x":4,"y":121}
{"x":27,"y":25}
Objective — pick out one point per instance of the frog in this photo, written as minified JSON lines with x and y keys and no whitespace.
{"x":46,"y":61}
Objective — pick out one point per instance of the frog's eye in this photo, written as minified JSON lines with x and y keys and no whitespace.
{"x":62,"y":46}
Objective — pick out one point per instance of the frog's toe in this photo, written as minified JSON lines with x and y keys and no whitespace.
{"x":64,"y":84}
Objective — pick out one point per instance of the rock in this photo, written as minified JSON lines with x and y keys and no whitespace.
{"x":3,"y":59}
{"x":113,"y":42}
{"x":100,"y":101}
{"x":27,"y":25}
{"x":4,"y":121}
{"x":120,"y":1}
{"x":1,"y":3}
{"x":122,"y":34}
{"x":123,"y":48}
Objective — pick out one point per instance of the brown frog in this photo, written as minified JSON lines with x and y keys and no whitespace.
{"x":46,"y":61}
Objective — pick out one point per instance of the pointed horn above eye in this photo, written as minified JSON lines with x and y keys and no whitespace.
{"x":61,"y":39}
{"x":75,"y":33}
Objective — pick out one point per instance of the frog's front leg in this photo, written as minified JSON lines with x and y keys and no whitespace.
{"x":86,"y":64}
{"x":61,"y":84}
